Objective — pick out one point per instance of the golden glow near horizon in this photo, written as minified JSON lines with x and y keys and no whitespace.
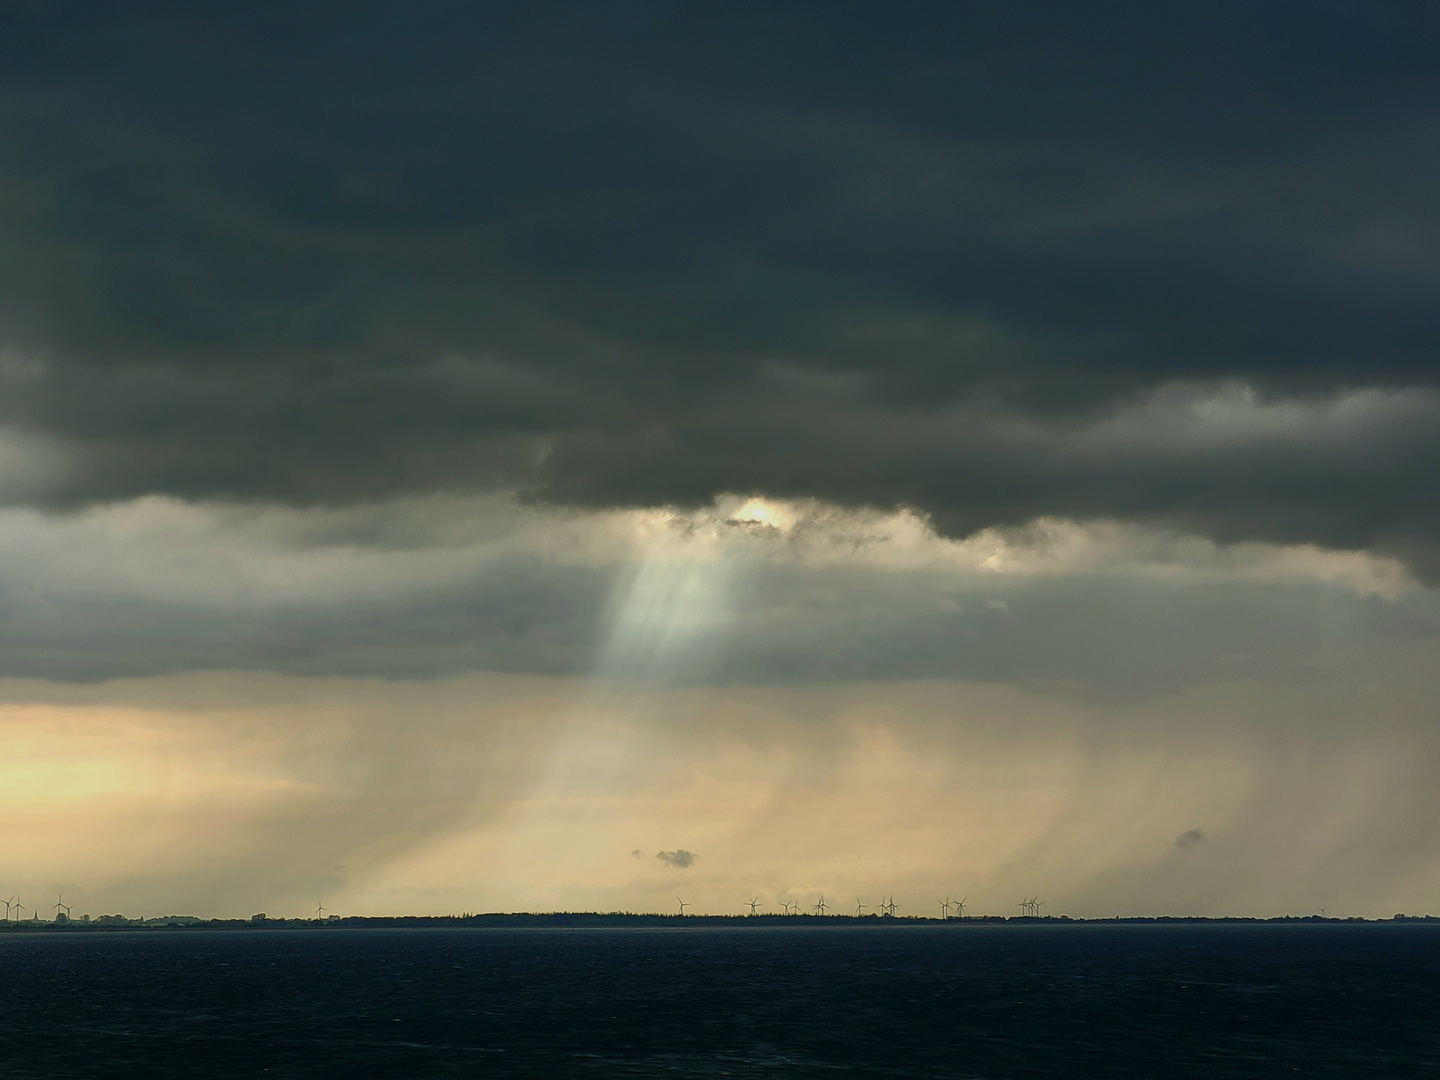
{"x":910,"y":788}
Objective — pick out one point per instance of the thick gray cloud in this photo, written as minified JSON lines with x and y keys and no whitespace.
{"x":430,"y":588}
{"x":993,"y":261}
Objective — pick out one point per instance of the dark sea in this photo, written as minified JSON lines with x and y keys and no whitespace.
{"x":923,"y":1001}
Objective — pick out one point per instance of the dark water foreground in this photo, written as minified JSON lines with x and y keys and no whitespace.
{"x":974,"y":1001}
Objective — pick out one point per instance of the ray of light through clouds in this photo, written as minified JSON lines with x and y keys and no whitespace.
{"x":454,"y":790}
{"x":970,"y":449}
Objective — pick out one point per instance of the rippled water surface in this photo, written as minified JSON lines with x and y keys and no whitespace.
{"x":936,"y":1001}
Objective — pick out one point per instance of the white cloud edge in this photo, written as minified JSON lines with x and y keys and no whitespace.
{"x":209,"y":554}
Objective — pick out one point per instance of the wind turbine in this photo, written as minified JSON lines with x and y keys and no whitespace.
{"x":18,"y":907}
{"x":683,"y":905}
{"x":859,"y":907}
{"x":7,"y":904}
{"x":944,"y":907}
{"x":960,"y":904}
{"x":60,"y":903}
{"x":820,"y":905}
{"x":319,"y":912}
{"x":754,"y":902}
{"x":1035,"y":905}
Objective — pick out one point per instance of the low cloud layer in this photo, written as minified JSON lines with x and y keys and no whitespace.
{"x":744,"y":591}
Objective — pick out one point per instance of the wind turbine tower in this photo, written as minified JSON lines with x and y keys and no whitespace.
{"x":682,"y":904}
{"x":820,"y":905}
{"x":754,"y":903}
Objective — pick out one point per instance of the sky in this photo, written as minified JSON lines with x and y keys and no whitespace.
{"x":591,"y":456}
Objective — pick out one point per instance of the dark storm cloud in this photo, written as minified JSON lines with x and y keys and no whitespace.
{"x":987,"y":259}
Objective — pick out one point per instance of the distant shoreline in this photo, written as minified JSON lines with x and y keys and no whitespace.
{"x":598,"y":920}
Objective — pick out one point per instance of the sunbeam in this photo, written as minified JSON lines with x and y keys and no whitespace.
{"x":673,"y":603}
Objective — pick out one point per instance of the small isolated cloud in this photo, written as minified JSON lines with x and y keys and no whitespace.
{"x":1189,"y":839}
{"x":637,"y":854}
{"x":997,"y":605}
{"x":679,"y":857}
